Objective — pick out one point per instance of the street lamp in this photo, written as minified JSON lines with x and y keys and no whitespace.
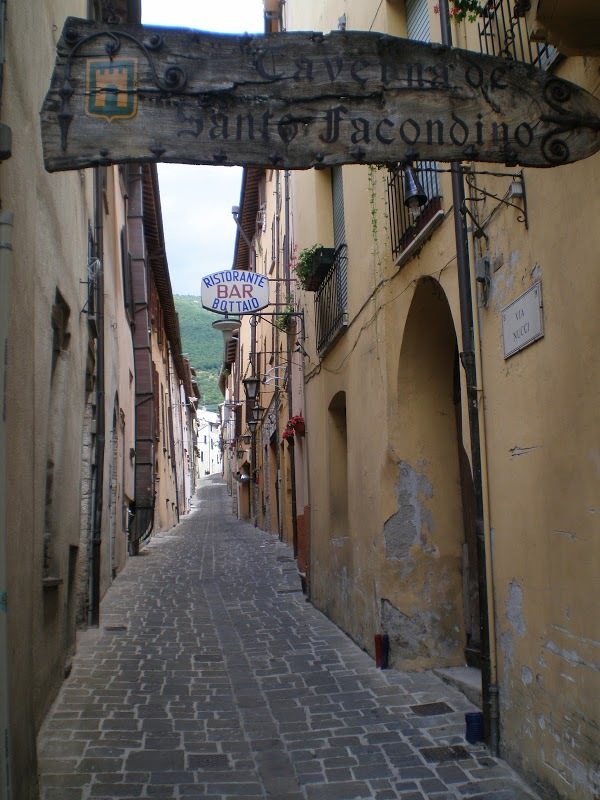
{"x":227,"y":326}
{"x":251,"y":387}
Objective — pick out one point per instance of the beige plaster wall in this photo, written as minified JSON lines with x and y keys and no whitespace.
{"x":165,"y":508}
{"x":52,"y":213}
{"x":352,"y":572}
{"x":119,"y":389}
{"x":542,"y":422}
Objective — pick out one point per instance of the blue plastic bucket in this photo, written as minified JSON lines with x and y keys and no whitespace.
{"x":474,"y":723}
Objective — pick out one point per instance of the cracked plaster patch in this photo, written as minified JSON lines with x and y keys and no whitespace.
{"x":514,"y":608}
{"x":412,"y":524}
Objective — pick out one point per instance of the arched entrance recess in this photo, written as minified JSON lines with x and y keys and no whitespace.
{"x":431,"y":620}
{"x":336,"y":557}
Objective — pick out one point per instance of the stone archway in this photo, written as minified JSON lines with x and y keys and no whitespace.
{"x":427,"y":534}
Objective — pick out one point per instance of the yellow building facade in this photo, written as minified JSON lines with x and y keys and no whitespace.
{"x":268,"y":463}
{"x":406,"y":536}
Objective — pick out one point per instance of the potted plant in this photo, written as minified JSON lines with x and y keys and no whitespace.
{"x":463,"y":9}
{"x":297,"y":424}
{"x":288,"y":435}
{"x":312,"y":265}
{"x":285,"y":320}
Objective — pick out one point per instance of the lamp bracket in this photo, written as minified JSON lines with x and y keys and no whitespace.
{"x":516,"y":189}
{"x":263,"y":316}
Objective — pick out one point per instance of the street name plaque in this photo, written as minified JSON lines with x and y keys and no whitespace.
{"x":522,"y":321}
{"x":129,"y":93}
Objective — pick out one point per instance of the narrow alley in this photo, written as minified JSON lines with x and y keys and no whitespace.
{"x":212,"y":677}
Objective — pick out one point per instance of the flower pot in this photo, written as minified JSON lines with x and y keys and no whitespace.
{"x":322,"y":262}
{"x":299,"y":429}
{"x":290,"y":441}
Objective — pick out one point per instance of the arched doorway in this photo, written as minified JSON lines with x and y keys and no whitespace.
{"x":431,"y":533}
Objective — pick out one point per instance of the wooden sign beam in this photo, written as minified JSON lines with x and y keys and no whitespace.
{"x":128,"y":93}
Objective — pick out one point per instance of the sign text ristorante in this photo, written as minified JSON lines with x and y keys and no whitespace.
{"x":295,"y":100}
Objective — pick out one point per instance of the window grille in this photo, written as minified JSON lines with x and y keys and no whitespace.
{"x":331,"y":302}
{"x":503,"y":32}
{"x":404,"y":228}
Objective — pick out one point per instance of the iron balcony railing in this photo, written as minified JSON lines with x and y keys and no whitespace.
{"x":503,"y":32}
{"x":331,"y":302}
{"x":404,"y":228}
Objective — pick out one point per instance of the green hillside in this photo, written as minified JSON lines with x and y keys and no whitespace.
{"x":202,"y":345}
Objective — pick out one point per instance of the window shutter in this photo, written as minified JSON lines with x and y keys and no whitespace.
{"x":418,"y":28}
{"x":417,"y":20}
{"x":337,"y":198}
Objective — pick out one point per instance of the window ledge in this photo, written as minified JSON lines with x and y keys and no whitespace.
{"x":51,"y":582}
{"x":420,"y":239}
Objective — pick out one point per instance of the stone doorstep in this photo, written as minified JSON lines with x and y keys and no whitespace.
{"x":466,"y":679}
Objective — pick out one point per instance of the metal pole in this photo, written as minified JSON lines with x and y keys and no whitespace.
{"x":6,"y":220}
{"x":290,"y":388}
{"x":252,"y":500}
{"x":467,"y":358}
{"x":100,"y":410}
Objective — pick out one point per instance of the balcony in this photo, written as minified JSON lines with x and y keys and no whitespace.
{"x":504,"y":32}
{"x":331,"y":303}
{"x":570,"y":25}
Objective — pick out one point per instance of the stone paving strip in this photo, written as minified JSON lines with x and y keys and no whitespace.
{"x":212,"y":678}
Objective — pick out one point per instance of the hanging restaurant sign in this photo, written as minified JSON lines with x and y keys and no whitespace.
{"x":234,"y":291}
{"x":128,"y":93}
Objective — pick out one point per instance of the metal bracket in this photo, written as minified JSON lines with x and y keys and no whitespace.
{"x":516,"y":190}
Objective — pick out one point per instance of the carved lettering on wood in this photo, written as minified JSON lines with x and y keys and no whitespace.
{"x":125,"y":93}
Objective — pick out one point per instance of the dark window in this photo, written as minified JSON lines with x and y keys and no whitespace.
{"x":60,"y":334}
{"x":126,"y":273}
{"x":156,"y":401}
{"x":331,"y":299}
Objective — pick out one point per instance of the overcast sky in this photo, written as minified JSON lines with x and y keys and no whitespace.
{"x":196,"y":201}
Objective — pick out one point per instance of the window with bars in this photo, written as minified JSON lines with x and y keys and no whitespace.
{"x":503,"y":32}
{"x":331,"y":303}
{"x":331,"y":299}
{"x":406,"y":227}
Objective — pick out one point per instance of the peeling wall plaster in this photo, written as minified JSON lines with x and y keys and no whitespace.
{"x":412,"y":524}
{"x":417,"y":635}
{"x":514,"y":608}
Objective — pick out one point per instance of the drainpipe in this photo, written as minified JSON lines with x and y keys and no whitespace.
{"x":489,"y":691}
{"x":494,"y":707}
{"x":252,"y":497}
{"x":288,"y":294}
{"x":100,"y":411}
{"x":6,"y":223}
{"x":6,"y":220}
{"x":172,"y":427}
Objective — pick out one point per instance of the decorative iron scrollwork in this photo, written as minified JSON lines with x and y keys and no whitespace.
{"x":555,"y":149}
{"x":173,"y":81}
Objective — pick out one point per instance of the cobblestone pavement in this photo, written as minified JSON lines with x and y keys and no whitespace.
{"x":212,"y":678}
